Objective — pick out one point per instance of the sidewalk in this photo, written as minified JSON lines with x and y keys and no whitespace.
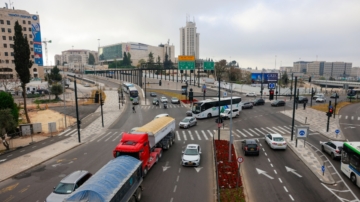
{"x":20,"y":164}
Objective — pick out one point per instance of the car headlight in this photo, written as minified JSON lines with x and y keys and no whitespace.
{"x":196,"y":160}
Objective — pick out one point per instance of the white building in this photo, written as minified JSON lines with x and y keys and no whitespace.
{"x":137,"y":51}
{"x":189,"y":40}
{"x":75,"y":57}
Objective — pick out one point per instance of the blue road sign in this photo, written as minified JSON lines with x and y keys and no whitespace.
{"x":330,"y":107}
{"x":301,"y":133}
{"x":272,"y":85}
{"x":337,"y":131}
{"x":225,"y":94}
{"x":323,"y":168}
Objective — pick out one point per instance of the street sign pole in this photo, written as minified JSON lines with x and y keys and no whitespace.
{"x":240,"y":160}
{"x":328,"y":120}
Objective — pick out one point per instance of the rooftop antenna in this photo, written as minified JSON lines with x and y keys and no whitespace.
{"x":10,"y":3}
{"x":168,"y":41}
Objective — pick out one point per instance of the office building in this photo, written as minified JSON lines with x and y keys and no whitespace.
{"x":138,"y":51}
{"x":75,"y":57}
{"x":189,"y":40}
{"x":337,"y":69}
{"x":300,"y":66}
{"x":30,"y":24}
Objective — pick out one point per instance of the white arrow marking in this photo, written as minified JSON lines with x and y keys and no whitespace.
{"x":2,"y":160}
{"x":261,"y":172}
{"x":56,"y":165}
{"x":198,"y":169}
{"x":165,"y":168}
{"x":349,"y":127}
{"x":292,"y":170}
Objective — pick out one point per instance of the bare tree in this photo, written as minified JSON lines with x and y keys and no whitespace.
{"x":220,"y":69}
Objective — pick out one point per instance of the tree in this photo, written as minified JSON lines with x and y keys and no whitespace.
{"x":7,"y":123}
{"x":54,"y":75}
{"x":7,"y":102}
{"x":125,"y":59}
{"x":220,"y":69}
{"x":23,"y":63}
{"x":158,"y":60}
{"x":151,"y":58}
{"x":234,"y":74}
{"x":129,"y":59}
{"x":57,"y":90}
{"x":284,"y":78}
{"x":91,"y":59}
{"x":141,"y":61}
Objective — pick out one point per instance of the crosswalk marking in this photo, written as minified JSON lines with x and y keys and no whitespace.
{"x":346,"y":117}
{"x":287,"y":128}
{"x":197,"y":134}
{"x":236,"y":134}
{"x":358,"y":118}
{"x":204,"y":134}
{"x":254,"y":132}
{"x":191,"y":136}
{"x":259,"y":131}
{"x":340,"y":117}
{"x":103,"y":136}
{"x":71,"y":133}
{"x":278,"y":130}
{"x":266,"y":131}
{"x":114,"y":134}
{"x":241,"y":133}
{"x":184,"y":135}
{"x":248,"y":133}
{"x":211,"y":135}
{"x":352,"y":117}
{"x":271,"y":130}
{"x":177,"y":135}
{"x":283,"y":129}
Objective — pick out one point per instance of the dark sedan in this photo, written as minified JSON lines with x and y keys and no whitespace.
{"x":334,"y":95}
{"x":247,"y":105}
{"x":258,"y":101}
{"x":277,"y":103}
{"x":303,"y":99}
{"x":152,"y":94}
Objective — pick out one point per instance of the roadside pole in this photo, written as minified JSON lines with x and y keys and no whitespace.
{"x":101,"y":104}
{"x":231,"y":111}
{"x":335,"y":104}
{"x":219,"y":109}
{"x":293,"y":118}
{"x":77,"y":110}
{"x":64,"y":97}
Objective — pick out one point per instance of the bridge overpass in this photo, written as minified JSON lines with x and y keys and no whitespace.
{"x":336,"y":84}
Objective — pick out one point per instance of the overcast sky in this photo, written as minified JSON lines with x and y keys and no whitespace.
{"x":254,"y":33}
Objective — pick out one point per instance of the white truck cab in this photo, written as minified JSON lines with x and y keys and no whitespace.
{"x":227,"y":113}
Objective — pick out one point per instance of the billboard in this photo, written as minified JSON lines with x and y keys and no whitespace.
{"x":265,"y":77}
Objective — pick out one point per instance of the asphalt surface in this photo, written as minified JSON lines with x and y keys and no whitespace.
{"x":350,"y":121}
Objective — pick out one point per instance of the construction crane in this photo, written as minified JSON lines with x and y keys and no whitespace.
{"x":46,"y":52}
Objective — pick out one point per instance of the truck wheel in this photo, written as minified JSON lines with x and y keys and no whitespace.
{"x":138,"y":195}
{"x":160,"y":154}
{"x":145,"y":171}
{"x":157,"y":159}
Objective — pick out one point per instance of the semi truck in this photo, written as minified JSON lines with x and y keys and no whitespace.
{"x":118,"y":181}
{"x":147,"y":143}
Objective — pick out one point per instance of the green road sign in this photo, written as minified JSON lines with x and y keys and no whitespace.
{"x":208,"y":65}
{"x":186,"y":65}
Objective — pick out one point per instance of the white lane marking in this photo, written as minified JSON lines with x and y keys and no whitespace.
{"x":111,"y":136}
{"x":260,"y":144}
{"x":103,"y":136}
{"x":191,"y":136}
{"x":233,"y":132}
{"x":346,"y":117}
{"x":11,"y":154}
{"x":248,"y":133}
{"x":22,"y":150}
{"x":291,"y":197}
{"x":358,"y":118}
{"x":177,"y":179}
{"x":271,"y":130}
{"x":254,"y":132}
{"x":204,"y":134}
{"x":179,"y":170}
{"x":269,"y":160}
{"x":184,"y":135}
{"x":197,"y":134}
{"x":283,"y":129}
{"x":285,"y":189}
{"x":210,"y":133}
{"x":278,"y":130}
{"x":352,"y":117}
{"x":280,"y":180}
{"x":178,"y":136}
{"x":31,"y":147}
{"x":175,"y":188}
{"x":117,"y":137}
{"x":259,"y":131}
{"x":287,"y":128}
{"x":263,"y":149}
{"x":71,"y":133}
{"x":339,"y":116}
{"x":241,"y":133}
{"x":265,"y":154}
{"x":271,"y":165}
{"x":275,"y":172}
{"x":265,"y":130}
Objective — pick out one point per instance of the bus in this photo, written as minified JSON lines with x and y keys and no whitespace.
{"x":209,"y":108}
{"x":350,"y":161}
{"x":133,"y":92}
{"x":126,"y":87}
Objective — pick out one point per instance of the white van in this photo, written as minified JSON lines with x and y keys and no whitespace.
{"x":227,"y":113}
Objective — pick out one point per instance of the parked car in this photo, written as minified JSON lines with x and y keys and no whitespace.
{"x":175,"y":100}
{"x":275,"y":141}
{"x":250,"y":146}
{"x":333,"y":148}
{"x":277,"y":103}
{"x":318,"y":95}
{"x":227,"y":113}
{"x":188,"y":122}
{"x":191,"y":156}
{"x":189,"y":113}
{"x":152,"y":94}
{"x":155,"y":100}
{"x":320,"y":99}
{"x":251,"y":94}
{"x":302,"y":99}
{"x":334,"y":95}
{"x":247,"y":105}
{"x":163,"y":99}
{"x":68,"y":185}
{"x":258,"y":101}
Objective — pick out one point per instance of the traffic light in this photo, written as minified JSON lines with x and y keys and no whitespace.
{"x":101,"y":102}
{"x":191,"y":95}
{"x":159,"y":82}
{"x":330,"y":112}
{"x":271,"y":94}
{"x":309,"y":79}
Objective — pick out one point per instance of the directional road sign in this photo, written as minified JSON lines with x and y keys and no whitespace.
{"x":186,"y":65}
{"x":208,"y":65}
{"x":186,"y":58}
{"x":225,"y":94}
{"x":272,"y":85}
{"x":337,"y":131}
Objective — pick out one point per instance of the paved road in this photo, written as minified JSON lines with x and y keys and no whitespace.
{"x":349,"y":119}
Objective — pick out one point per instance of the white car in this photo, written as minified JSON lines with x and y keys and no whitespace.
{"x":251,"y":94}
{"x":163,"y":99}
{"x":191,"y":155}
{"x":275,"y":141}
{"x":320,"y":99}
{"x":227,"y":113}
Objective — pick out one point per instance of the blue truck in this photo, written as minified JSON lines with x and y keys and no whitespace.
{"x":119,"y":180}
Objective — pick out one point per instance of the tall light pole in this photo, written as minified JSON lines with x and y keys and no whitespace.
{"x":46,"y":51}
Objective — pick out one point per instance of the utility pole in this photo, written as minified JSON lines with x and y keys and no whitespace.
{"x":292,"y":78}
{"x":101,"y":104}
{"x":335,"y":104}
{"x":77,"y":109}
{"x":231,"y":138}
{"x":293,"y":118}
{"x":328,"y":120}
{"x":219,"y":109}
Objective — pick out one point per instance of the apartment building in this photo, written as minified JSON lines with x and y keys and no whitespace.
{"x":189,"y":40}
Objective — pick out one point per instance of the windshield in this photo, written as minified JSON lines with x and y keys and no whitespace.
{"x":133,"y":93}
{"x":191,"y":152}
{"x":227,"y":111}
{"x":155,"y":99}
{"x":64,"y":188}
{"x":196,"y":108}
{"x":185,"y":120}
{"x":278,"y":139}
{"x":174,"y":98}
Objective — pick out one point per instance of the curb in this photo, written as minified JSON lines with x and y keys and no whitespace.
{"x":312,"y":170}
